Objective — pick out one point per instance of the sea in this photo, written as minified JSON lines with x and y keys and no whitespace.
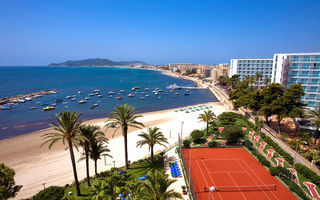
{"x":69,"y":80}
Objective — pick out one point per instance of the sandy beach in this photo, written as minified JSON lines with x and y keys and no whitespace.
{"x":35,"y":165}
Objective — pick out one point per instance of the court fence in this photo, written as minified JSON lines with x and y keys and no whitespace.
{"x":192,"y":189}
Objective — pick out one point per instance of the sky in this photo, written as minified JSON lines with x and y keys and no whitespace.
{"x":39,"y":32}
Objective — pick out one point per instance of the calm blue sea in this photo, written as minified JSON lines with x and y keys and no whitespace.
{"x":69,"y":80}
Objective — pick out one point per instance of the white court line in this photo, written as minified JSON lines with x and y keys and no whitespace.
{"x":204,"y":177}
{"x":258,"y":179}
{"x":210,"y":177}
{"x":242,"y":171}
{"x":236,"y":185}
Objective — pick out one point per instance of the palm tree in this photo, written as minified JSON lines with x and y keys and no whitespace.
{"x":258,"y":76}
{"x":68,"y":131}
{"x":155,"y":187}
{"x":314,"y":116}
{"x":97,"y":149}
{"x":124,"y":116}
{"x":266,"y":81}
{"x":208,"y":116}
{"x":152,"y":137}
{"x":89,"y":134}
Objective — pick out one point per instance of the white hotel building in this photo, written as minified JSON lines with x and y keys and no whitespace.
{"x":287,"y":69}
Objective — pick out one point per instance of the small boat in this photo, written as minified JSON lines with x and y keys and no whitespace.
{"x":82,"y":101}
{"x":93,"y":106}
{"x":18,"y":101}
{"x":156,"y":93}
{"x":110,"y":96}
{"x":176,"y":93}
{"x":122,"y":91}
{"x":187,"y":90}
{"x":44,"y":104}
{"x":99,"y":95}
{"x":5,"y":107}
{"x":141,"y":98}
{"x":48,"y":108}
{"x":32,"y":108}
{"x":66,"y":106}
{"x":119,"y":97}
{"x":38,"y":102}
{"x":28,"y":99}
{"x":74,"y":96}
{"x":68,"y":97}
{"x":136,"y":87}
{"x":174,"y":86}
{"x":79,"y":92}
{"x":172,"y":90}
{"x":96,"y":91}
{"x":146,"y":89}
{"x":111,"y":92}
{"x":73,"y":99}
{"x":187,"y":93}
{"x":86,"y":98}
{"x":159,"y":97}
{"x":59,"y":100}
{"x":160,"y":90}
{"x":99,"y":101}
{"x":53,"y":104}
{"x":130,"y":95}
{"x":147,"y":95}
{"x":91,"y":94}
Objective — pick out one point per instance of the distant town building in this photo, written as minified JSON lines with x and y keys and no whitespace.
{"x":183,"y":67}
{"x":221,"y":70}
{"x":206,"y":72}
{"x":301,"y":68}
{"x":251,"y":67}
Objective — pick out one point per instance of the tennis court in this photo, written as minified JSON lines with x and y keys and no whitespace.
{"x":234,"y":173}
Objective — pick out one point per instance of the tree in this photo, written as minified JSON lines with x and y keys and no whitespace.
{"x":232,"y":134}
{"x":98,"y":148}
{"x":266,"y":81}
{"x":223,"y":81}
{"x":156,"y":187}
{"x":258,"y":124}
{"x":151,"y":138}
{"x":52,"y":193}
{"x":289,"y":104}
{"x":89,"y":135}
{"x":196,"y":135}
{"x":8,"y":189}
{"x":314,"y":116}
{"x":207,"y":117}
{"x":108,"y":188}
{"x":257,"y":77}
{"x":124,"y":116}
{"x":268,"y":95}
{"x":68,"y":131}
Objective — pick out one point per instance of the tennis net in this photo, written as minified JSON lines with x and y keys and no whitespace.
{"x":246,"y":188}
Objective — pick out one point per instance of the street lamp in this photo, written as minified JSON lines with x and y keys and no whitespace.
{"x":44,"y":185}
{"x":105,"y":163}
{"x":114,"y":164}
{"x":211,"y":189}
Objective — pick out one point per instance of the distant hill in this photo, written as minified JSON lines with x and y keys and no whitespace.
{"x":96,"y":62}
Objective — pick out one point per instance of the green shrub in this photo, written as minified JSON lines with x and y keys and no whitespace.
{"x":186,"y":143}
{"x":308,"y":173}
{"x":263,"y":160}
{"x":214,"y":144}
{"x":248,"y":144}
{"x":295,"y":188}
{"x":52,"y":193}
{"x":273,"y":171}
{"x":279,"y":150}
{"x":232,"y":134}
{"x":281,"y":172}
{"x":196,"y":135}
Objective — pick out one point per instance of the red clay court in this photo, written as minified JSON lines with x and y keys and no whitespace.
{"x":234,"y":173}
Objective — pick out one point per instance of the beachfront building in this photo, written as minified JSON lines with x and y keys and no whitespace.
{"x":251,"y":67}
{"x":183,"y":67}
{"x":221,"y":70}
{"x":301,"y":68}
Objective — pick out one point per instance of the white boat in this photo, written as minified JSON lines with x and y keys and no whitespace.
{"x":146,"y":89}
{"x":122,"y":91}
{"x":147,"y":95}
{"x":28,"y":98}
{"x":79,"y":92}
{"x":141,"y":98}
{"x":156,"y":93}
{"x":111,"y":92}
{"x":91,"y":94}
{"x":73,"y":99}
{"x":174,"y":86}
{"x":110,"y":96}
{"x":68,"y":97}
{"x":82,"y":101}
{"x":130,"y":95}
{"x":99,"y":95}
{"x":96,"y":91}
{"x":74,"y":95}
{"x":86,"y":98}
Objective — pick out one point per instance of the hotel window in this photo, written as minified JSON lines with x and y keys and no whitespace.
{"x":306,"y":58}
{"x":312,"y":89}
{"x":314,"y":81}
{"x":294,"y":66}
{"x":304,"y":73}
{"x":295,"y":58}
{"x":293,"y":81}
{"x":311,"y":104}
{"x":317,"y":58}
{"x":303,"y":81}
{"x":305,"y":66}
{"x":315,"y":74}
{"x":293,"y":73}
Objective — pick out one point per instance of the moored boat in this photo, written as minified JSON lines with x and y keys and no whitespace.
{"x":82,"y":101}
{"x":48,"y":108}
{"x":130,"y":95}
{"x":119,"y":97}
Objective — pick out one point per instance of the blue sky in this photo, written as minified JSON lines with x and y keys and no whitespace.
{"x":155,"y":31}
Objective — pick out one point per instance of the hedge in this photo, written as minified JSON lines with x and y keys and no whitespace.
{"x":186,"y":143}
{"x":295,"y":188}
{"x":279,"y":150}
{"x":308,"y":173}
{"x":281,"y":172}
{"x":214,"y":144}
{"x":263,"y":160}
{"x":52,"y":193}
